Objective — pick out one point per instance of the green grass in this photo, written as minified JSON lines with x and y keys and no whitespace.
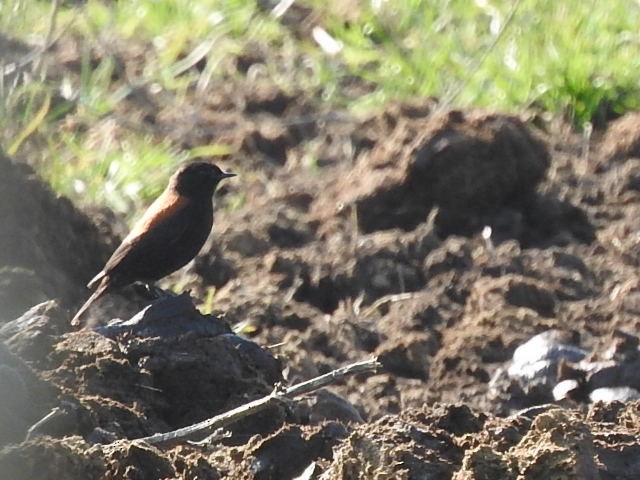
{"x":578,"y":59}
{"x":571,"y":58}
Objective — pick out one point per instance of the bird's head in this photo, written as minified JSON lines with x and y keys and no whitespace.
{"x":198,"y":179}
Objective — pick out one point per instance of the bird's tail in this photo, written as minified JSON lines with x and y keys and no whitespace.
{"x":101,"y":290}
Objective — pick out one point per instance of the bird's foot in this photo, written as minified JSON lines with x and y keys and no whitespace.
{"x":153,"y":292}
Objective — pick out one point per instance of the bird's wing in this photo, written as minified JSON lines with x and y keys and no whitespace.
{"x":158,"y":229}
{"x":166,"y":208}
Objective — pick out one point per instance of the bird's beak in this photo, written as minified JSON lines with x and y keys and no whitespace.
{"x":227,"y":175}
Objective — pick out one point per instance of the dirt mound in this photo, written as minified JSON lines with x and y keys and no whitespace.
{"x":48,"y":249}
{"x":470,"y":164}
{"x":167,"y":368}
{"x":622,"y":138}
{"x":441,"y":442}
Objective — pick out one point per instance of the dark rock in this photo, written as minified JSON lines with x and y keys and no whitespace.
{"x":24,"y":398}
{"x":327,"y":405}
{"x":33,"y":335}
{"x":168,"y":317}
{"x":614,"y":394}
{"x":268,"y":462}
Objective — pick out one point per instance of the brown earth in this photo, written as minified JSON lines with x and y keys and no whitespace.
{"x":342,"y":239}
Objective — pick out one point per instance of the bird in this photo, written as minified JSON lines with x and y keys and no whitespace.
{"x":169,"y":234}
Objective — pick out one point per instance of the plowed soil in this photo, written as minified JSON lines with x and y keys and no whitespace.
{"x":438,"y":241}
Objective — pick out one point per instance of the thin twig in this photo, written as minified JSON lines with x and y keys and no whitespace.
{"x":391,"y":298}
{"x":53,"y":17}
{"x":278,"y":395}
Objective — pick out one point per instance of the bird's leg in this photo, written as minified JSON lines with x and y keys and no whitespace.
{"x":151,"y":291}
{"x":157,"y":292}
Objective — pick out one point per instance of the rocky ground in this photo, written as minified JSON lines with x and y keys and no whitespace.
{"x":439,"y":241}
